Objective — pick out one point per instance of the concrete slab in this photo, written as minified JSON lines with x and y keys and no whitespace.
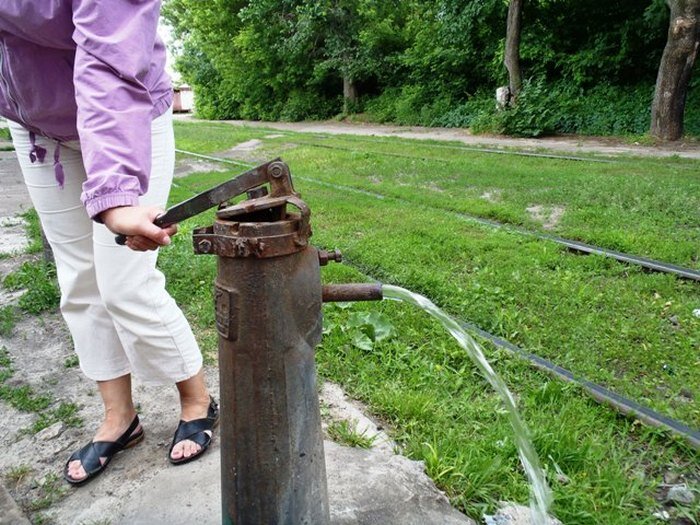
{"x":10,"y":513}
{"x":14,"y":198}
{"x":13,"y":235}
{"x":366,"y":487}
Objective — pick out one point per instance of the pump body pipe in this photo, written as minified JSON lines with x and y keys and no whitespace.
{"x":268,"y":298}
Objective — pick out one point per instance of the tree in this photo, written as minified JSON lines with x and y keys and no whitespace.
{"x":512,"y":51}
{"x":675,"y":69}
{"x":355,"y":39}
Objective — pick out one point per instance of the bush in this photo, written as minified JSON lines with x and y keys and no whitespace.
{"x":305,"y":105}
{"x":558,"y":108}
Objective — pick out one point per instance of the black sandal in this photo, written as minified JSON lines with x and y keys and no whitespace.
{"x":89,"y":456}
{"x":195,"y":430}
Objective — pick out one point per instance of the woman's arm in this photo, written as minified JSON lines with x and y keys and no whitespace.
{"x":115,"y":41}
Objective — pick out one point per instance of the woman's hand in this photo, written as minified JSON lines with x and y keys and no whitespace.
{"x":136,"y":222}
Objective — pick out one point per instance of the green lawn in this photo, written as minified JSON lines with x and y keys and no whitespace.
{"x":629,"y":330}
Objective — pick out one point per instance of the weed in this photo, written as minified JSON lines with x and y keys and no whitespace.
{"x":5,"y":359}
{"x":65,"y":412}
{"x":364,"y":328}
{"x":50,"y":490}
{"x":71,"y":361}
{"x":40,"y":281}
{"x":8,"y":320}
{"x":344,"y":432}
{"x":33,"y":231}
{"x":40,"y":518}
{"x":23,"y":397}
{"x":18,"y":474}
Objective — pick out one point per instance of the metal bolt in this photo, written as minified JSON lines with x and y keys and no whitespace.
{"x":324,"y":256}
{"x":276,"y":169}
{"x":204,"y":246}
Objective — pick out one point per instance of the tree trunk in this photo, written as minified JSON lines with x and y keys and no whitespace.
{"x":512,"y":52}
{"x":349,"y":94}
{"x":675,"y":69}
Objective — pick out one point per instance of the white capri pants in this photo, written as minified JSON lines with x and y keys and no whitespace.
{"x":113,"y":299}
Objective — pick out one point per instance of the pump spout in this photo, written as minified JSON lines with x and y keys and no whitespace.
{"x":332,"y":293}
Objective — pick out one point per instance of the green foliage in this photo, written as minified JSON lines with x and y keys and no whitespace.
{"x":67,"y":413}
{"x":39,"y":279}
{"x":33,"y":231}
{"x":606,"y":321}
{"x":541,"y":109}
{"x":24,"y":398}
{"x":48,"y":491}
{"x":18,"y":474}
{"x":8,"y":319}
{"x":363,"y":328}
{"x":71,"y":361}
{"x":343,"y":432}
{"x":427,"y":62}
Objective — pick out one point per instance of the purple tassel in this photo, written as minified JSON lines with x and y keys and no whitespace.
{"x":37,"y":152}
{"x":57,"y":166}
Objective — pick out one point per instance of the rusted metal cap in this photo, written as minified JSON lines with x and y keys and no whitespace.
{"x":260,"y":228}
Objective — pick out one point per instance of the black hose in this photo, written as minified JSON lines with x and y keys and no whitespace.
{"x":597,"y":392}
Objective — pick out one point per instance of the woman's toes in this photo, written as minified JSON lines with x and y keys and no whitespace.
{"x":177,"y":451}
{"x":185,"y":449}
{"x":76,"y":470}
{"x":191,"y":449}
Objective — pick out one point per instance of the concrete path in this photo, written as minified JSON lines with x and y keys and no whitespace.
{"x":14,"y":198}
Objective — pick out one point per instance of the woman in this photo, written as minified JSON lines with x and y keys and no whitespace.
{"x":82,"y":83}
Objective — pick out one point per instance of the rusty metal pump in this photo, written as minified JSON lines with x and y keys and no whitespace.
{"x":268,"y":297}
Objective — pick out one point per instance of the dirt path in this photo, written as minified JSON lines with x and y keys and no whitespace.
{"x":563,"y":145}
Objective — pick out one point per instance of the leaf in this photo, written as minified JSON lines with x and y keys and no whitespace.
{"x":361,"y":340}
{"x":358,"y":319}
{"x":343,"y":305}
{"x":383,"y":328}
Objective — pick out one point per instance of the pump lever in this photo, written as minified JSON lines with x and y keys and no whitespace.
{"x":274,"y":172}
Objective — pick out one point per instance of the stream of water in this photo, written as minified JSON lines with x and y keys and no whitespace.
{"x":540,"y":495}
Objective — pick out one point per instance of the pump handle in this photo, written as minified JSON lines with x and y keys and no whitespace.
{"x":275,"y":173}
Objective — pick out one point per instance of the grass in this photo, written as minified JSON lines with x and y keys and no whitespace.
{"x":33,"y":231}
{"x":50,"y":490}
{"x":344,"y":432}
{"x":39,"y":279}
{"x":19,"y":474}
{"x":8,"y":320}
{"x":584,"y":313}
{"x":23,"y":397}
{"x":71,"y":361}
{"x":623,"y":206}
{"x":630,"y":330}
{"x":643,"y":206}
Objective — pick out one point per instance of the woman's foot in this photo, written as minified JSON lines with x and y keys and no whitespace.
{"x":120,"y":414}
{"x":195,"y":404}
{"x":114,"y":435}
{"x":191,"y":410}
